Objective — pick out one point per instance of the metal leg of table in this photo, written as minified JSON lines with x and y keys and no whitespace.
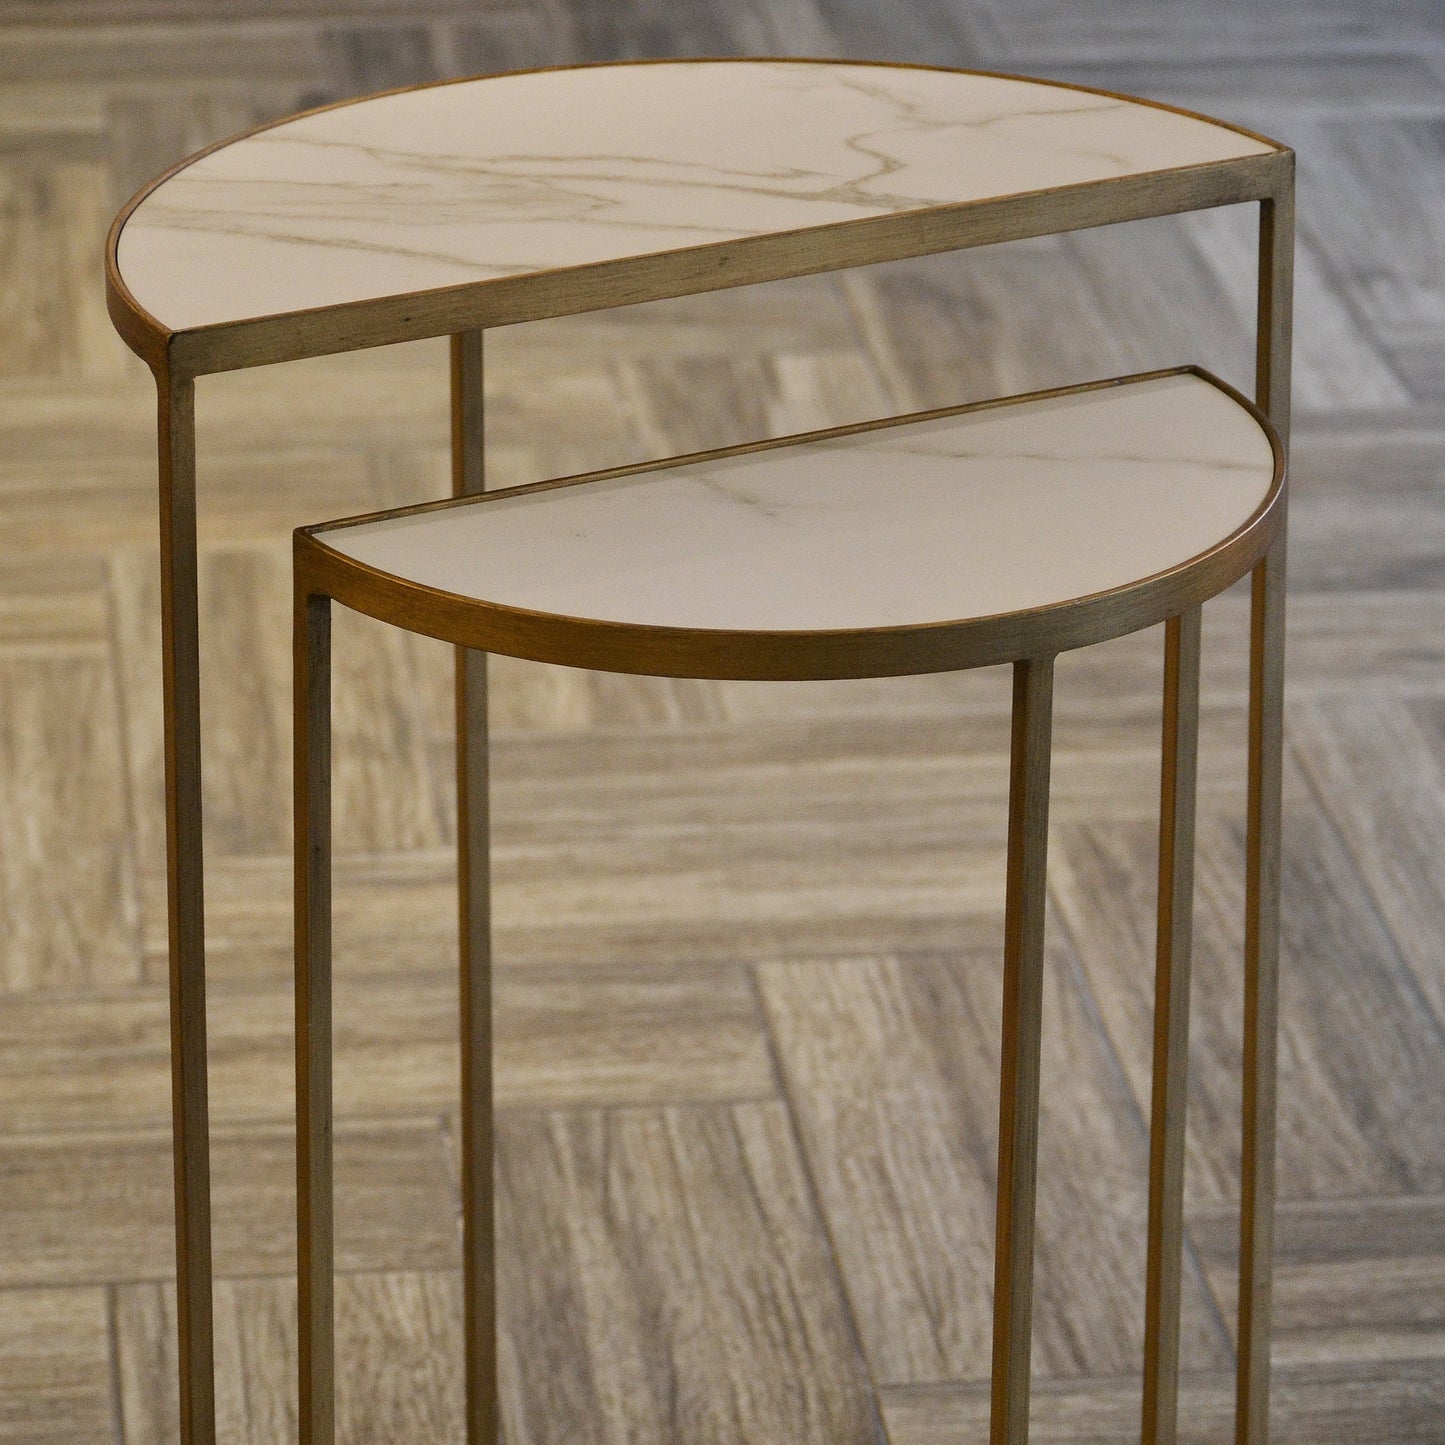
{"x":1028,"y":832}
{"x":474,"y":889}
{"x":1262,"y":880}
{"x":1261,"y":996}
{"x":314,"y":1193}
{"x":1169,"y":1098}
{"x":186,"y":909}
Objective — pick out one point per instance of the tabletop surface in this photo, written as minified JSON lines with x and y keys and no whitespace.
{"x":975,"y":514}
{"x":547,"y":170}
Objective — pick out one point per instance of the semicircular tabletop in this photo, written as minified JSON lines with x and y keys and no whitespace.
{"x":542,"y":171}
{"x":984,"y":512}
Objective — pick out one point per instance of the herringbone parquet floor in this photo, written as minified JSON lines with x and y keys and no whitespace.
{"x":748,"y":934}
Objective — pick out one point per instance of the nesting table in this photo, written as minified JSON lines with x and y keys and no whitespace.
{"x":449,"y":209}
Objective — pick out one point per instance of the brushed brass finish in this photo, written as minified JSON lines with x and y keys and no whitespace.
{"x":1262,"y":865}
{"x":479,"y":1272}
{"x":1170,"y":1094}
{"x":1023,"y":1001}
{"x":1261,"y":993}
{"x":190,"y":1111}
{"x":315,"y":1225}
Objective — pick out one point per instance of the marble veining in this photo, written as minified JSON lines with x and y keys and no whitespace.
{"x":533,"y":172}
{"x":982,"y":513}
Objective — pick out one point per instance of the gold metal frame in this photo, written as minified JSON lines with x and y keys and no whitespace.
{"x":463,"y":312}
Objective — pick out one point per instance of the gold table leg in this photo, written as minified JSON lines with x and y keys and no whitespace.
{"x":1262,"y":875}
{"x":314,"y":1193}
{"x":1261,"y":996}
{"x":474,"y":891}
{"x":190,"y":1110}
{"x":1028,"y":835}
{"x":1170,"y":1094}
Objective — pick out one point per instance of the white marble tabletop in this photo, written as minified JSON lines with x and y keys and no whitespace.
{"x":973,"y":515}
{"x":510,"y":174}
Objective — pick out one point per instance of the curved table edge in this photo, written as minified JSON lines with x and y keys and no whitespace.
{"x":500,"y":301}
{"x":800,"y":656}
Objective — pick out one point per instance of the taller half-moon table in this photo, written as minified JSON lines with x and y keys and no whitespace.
{"x":448,"y":209}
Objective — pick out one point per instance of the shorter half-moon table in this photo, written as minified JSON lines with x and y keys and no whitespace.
{"x":1000,"y":532}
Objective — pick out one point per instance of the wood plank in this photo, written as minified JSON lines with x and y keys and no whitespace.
{"x":148,"y":13}
{"x":45,"y":115}
{"x":152,"y":127}
{"x":112,"y":497}
{"x":1355,"y":1280}
{"x":615,"y":847}
{"x":55,"y":1367}
{"x":1365,"y":511}
{"x":666,"y":1278}
{"x":892,"y":1066}
{"x":248,"y":780}
{"x":399,"y":1343}
{"x":114,"y":491}
{"x":1327,"y":325}
{"x":1377,"y":765}
{"x":364,"y":57}
{"x":67,"y":876}
{"x":54,"y":213}
{"x":534,"y":697}
{"x":621,"y":1036}
{"x":504,"y":37}
{"x":146,"y":1361}
{"x":1386,"y":80}
{"x":1103,"y":879}
{"x":694,"y":404}
{"x":387,"y":797}
{"x":85,"y":202}
{"x":46,"y":607}
{"x":1053,"y":33}
{"x":393,"y":913}
{"x":208,"y":50}
{"x":63,"y":426}
{"x":627,"y":29}
{"x":91,"y":1208}
{"x":717,"y":841}
{"x":1383,"y":641}
{"x":1399,"y":286}
{"x":29,"y":272}
{"x":740,"y":843}
{"x":931,"y":32}
{"x":248,"y":735}
{"x":802,"y":315}
{"x":1357,"y":1404}
{"x":689,"y":1032}
{"x":1353,"y":1116}
{"x":953,"y":327}
{"x":399,"y":1349}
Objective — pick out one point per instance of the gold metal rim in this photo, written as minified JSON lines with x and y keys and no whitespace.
{"x":206,"y":349}
{"x":763,"y":655}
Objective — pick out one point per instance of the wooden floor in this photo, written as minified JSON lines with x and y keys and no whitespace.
{"x":749,"y":934}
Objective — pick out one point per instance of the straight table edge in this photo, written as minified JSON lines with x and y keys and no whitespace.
{"x":814,"y":655}
{"x":692,"y":270}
